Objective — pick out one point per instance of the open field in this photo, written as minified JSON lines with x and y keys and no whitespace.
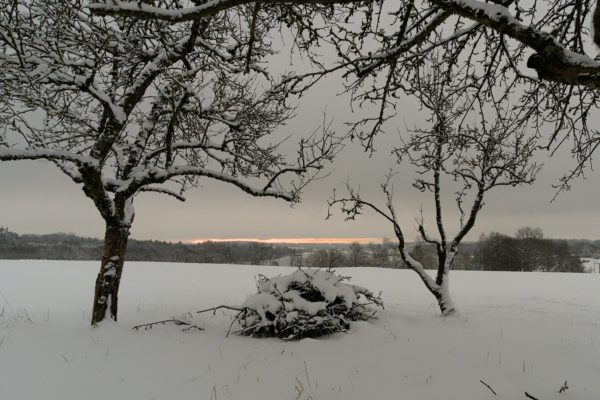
{"x":518,"y":332}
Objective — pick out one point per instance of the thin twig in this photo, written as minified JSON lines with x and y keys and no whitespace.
{"x":214,"y":309}
{"x":563,"y":388}
{"x":167,"y":321}
{"x":489,"y":387}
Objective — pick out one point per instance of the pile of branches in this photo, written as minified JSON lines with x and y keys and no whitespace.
{"x":306,"y":303}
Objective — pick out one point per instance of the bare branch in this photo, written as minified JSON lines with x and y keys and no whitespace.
{"x":207,"y":9}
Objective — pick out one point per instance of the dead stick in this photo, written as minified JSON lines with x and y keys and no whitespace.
{"x":530,"y":396}
{"x":166,"y":321}
{"x":489,"y":387}
{"x":214,"y":309}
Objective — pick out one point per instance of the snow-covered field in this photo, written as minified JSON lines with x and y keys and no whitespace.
{"x":518,"y":332}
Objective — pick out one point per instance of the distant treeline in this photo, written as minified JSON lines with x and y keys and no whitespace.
{"x":526,"y":251}
{"x":63,"y":246}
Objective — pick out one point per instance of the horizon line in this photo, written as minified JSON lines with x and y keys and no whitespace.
{"x":300,"y":240}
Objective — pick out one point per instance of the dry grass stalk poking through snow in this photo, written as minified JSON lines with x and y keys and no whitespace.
{"x":305,"y":303}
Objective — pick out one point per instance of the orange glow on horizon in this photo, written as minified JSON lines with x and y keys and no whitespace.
{"x":317,"y":240}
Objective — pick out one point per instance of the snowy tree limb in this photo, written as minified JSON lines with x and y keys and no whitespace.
{"x":207,"y":9}
{"x":14,"y":154}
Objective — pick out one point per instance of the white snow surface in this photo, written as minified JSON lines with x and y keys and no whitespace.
{"x":518,"y":332}
{"x":263,"y":303}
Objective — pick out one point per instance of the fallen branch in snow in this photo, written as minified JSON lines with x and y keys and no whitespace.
{"x":563,"y":388}
{"x":489,"y":387}
{"x":530,"y":396}
{"x":214,"y":309}
{"x":176,"y":322}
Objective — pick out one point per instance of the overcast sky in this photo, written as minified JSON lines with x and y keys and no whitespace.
{"x":36,"y":198}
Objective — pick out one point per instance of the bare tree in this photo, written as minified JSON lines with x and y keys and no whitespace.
{"x":379,"y":255}
{"x":527,"y":232}
{"x":357,"y":256}
{"x":529,"y":247}
{"x":545,"y":53}
{"x":477,"y":156}
{"x":129,"y":106}
{"x":326,"y":259}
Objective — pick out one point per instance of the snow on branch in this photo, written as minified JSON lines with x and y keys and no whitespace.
{"x":207,"y":9}
{"x":352,"y":207}
{"x":552,"y":60}
{"x":139,"y":107}
{"x":163,"y":191}
{"x":14,"y":154}
{"x":157,"y":175}
{"x":383,"y":53}
{"x":379,"y":58}
{"x":471,"y":143}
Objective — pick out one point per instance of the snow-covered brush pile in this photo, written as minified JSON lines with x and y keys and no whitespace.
{"x":305,"y":303}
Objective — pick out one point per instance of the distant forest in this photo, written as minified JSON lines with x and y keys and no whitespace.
{"x":527,"y":250}
{"x":65,"y":246}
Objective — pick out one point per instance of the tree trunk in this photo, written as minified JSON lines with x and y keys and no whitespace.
{"x":444,"y":299}
{"x":108,"y":280}
{"x":440,"y":288}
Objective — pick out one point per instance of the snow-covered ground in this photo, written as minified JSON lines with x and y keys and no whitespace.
{"x":518,"y":332}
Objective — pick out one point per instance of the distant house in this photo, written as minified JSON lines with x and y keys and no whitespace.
{"x":591,"y":264}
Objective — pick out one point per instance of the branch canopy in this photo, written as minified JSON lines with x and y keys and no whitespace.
{"x":126,"y":106}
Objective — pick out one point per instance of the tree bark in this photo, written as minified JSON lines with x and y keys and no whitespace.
{"x":442,"y":292}
{"x":444,"y":299}
{"x":440,"y":287}
{"x":108,"y":280}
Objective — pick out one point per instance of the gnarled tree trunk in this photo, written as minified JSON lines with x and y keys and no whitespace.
{"x":108,"y":280}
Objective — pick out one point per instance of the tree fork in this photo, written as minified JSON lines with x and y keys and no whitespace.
{"x":108,"y":280}
{"x":441,"y":293}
